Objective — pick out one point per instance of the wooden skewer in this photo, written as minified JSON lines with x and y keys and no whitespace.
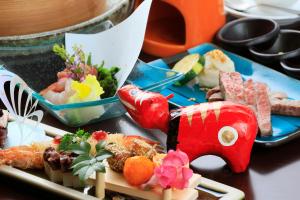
{"x":167,"y":194}
{"x":100,"y":185}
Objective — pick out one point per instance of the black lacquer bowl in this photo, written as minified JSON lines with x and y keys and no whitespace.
{"x":287,"y":45}
{"x":291,"y":66}
{"x":242,"y":33}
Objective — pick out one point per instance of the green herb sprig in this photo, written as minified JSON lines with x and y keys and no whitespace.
{"x":107,"y":80}
{"x":86,"y":164}
{"x":69,"y":139}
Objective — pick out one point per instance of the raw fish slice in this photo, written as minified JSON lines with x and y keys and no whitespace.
{"x":59,"y":97}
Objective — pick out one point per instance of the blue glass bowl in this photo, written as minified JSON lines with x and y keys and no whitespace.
{"x":143,"y":75}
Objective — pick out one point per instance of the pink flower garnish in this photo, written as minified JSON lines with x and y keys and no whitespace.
{"x":176,"y":158}
{"x":174,"y":173}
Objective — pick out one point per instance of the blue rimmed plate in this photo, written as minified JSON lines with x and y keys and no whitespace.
{"x":78,"y":114}
{"x":285,"y":128}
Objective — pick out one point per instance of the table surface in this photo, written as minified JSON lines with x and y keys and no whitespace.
{"x":273,"y":172}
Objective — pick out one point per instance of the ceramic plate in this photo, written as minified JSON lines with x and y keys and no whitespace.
{"x":285,"y":128}
{"x":281,"y":17}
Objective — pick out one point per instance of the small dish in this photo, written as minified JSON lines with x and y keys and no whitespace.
{"x":291,"y":66}
{"x":243,"y":33}
{"x":281,"y":17}
{"x":78,"y":114}
{"x":286,"y":45}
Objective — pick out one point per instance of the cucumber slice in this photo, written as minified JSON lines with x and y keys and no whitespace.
{"x":190,"y":66}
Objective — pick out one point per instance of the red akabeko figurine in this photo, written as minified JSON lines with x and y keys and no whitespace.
{"x":220,"y":128}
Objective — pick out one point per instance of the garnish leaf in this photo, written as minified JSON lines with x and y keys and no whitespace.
{"x":104,"y":156}
{"x":89,"y":59}
{"x":81,"y":164}
{"x":68,"y":140}
{"x":107,"y":80}
{"x":88,"y":173}
{"x":82,"y":170}
{"x":81,"y":158}
{"x":81,"y":148}
{"x":65,"y":142}
{"x":60,"y":51}
{"x":100,"y":145}
{"x":84,"y":135}
{"x":99,"y":167}
{"x":86,"y":164}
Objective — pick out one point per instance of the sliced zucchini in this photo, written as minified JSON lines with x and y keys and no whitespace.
{"x":190,"y":66}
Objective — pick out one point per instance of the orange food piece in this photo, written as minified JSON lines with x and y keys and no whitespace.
{"x":138,"y":170}
{"x":158,"y":158}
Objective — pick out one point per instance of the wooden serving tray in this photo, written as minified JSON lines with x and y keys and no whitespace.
{"x":115,"y":182}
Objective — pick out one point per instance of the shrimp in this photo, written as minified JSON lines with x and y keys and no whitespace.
{"x":58,"y":86}
{"x":58,"y":97}
{"x":24,"y":157}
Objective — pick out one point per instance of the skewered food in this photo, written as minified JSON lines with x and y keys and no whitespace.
{"x":58,"y":167}
{"x":124,"y":147}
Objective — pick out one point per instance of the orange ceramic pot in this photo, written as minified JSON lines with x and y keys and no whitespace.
{"x":176,"y":25}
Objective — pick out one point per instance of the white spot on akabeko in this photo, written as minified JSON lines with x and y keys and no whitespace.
{"x":228,"y":135}
{"x":127,"y":104}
